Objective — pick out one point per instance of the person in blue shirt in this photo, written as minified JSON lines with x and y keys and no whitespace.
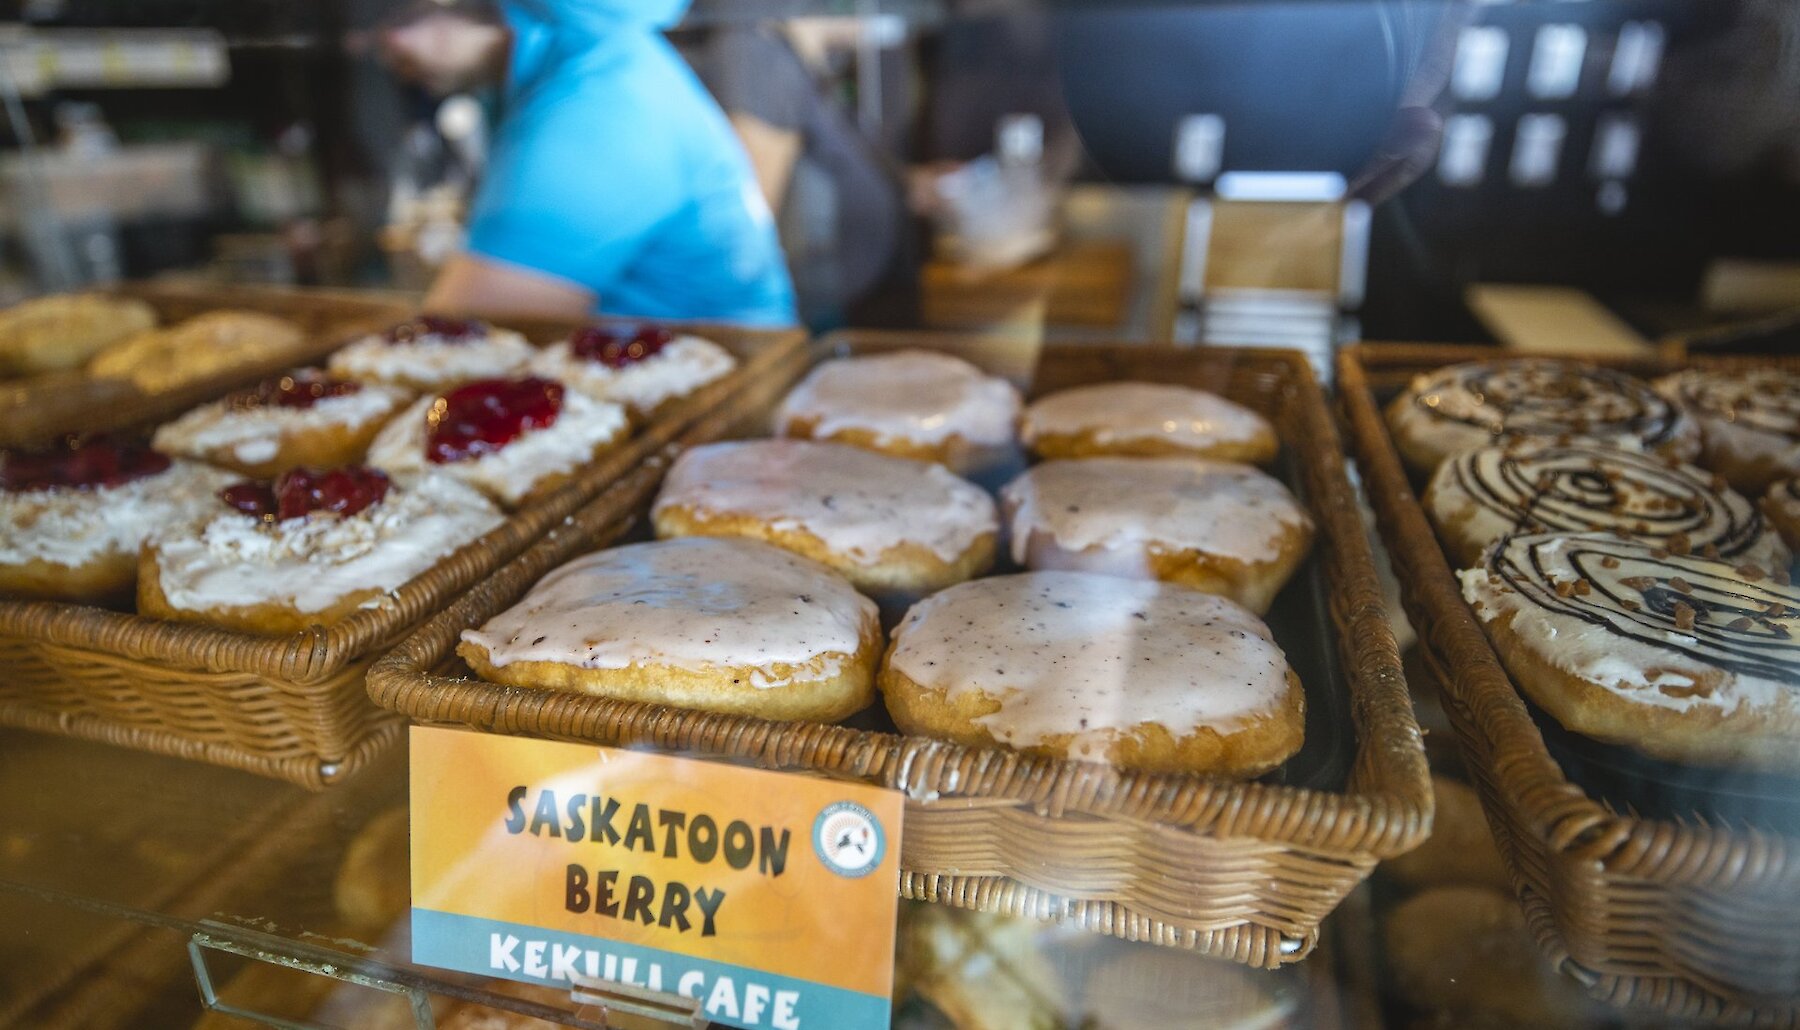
{"x":615,"y":183}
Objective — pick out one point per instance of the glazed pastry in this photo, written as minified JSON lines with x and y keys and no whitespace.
{"x":1476,"y":497}
{"x":885,"y":523}
{"x":75,"y":516}
{"x":641,"y":366}
{"x":1749,"y":421}
{"x":63,"y":332}
{"x":1474,"y":404}
{"x":720,"y":625}
{"x":1135,"y":673}
{"x":909,"y":403}
{"x":310,"y":548}
{"x":1781,"y":506}
{"x":1216,"y":526}
{"x":432,"y":352}
{"x":1686,"y":658}
{"x":1148,"y":420}
{"x":513,"y":439}
{"x":302,"y":418}
{"x":220,"y":341}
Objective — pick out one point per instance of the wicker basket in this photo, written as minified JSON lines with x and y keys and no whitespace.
{"x":43,"y":407}
{"x":1238,"y":870}
{"x":294,"y":707}
{"x":1686,"y":919}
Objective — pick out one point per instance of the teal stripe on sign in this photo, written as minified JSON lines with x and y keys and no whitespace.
{"x":468,"y":944}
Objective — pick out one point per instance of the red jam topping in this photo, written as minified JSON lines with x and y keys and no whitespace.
{"x":616,"y":346}
{"x":448,"y":330}
{"x":300,"y":390}
{"x":300,"y":492}
{"x":486,"y":415}
{"x":79,"y":463}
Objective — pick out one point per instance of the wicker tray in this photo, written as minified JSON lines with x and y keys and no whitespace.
{"x":42,"y":407}
{"x":1681,"y":916}
{"x":294,"y":707}
{"x":1238,"y":870}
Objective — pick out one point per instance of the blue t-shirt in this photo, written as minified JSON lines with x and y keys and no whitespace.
{"x":613,"y":169}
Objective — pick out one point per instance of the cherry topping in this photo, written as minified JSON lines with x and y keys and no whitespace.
{"x":449,"y":330}
{"x":79,"y":463}
{"x":302,"y":389}
{"x":616,"y":346}
{"x":484,"y":416}
{"x":300,"y":492}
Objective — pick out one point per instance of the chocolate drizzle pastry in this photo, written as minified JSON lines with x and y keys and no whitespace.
{"x":1584,"y":487}
{"x":1740,"y":619}
{"x":1763,"y":400}
{"x":1549,"y":398}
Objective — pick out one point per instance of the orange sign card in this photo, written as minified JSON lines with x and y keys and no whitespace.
{"x":770,"y":896}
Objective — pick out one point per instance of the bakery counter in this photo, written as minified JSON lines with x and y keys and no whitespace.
{"x":125,"y":869}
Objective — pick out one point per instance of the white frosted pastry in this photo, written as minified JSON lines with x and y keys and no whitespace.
{"x":1147,"y":419}
{"x":1140,"y":673}
{"x":640,"y":366}
{"x":1472,"y":405}
{"x":277,"y":575}
{"x":446,"y":434}
{"x":910,"y":403}
{"x":725,"y":625}
{"x":883,"y":522}
{"x":432,"y":352}
{"x":81,"y":543}
{"x":1215,"y":526}
{"x":1749,"y":421}
{"x":302,"y":418}
{"x":1684,"y":657}
{"x":1476,"y":497}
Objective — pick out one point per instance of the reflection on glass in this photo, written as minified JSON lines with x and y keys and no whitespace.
{"x":1635,"y":58}
{"x":1536,"y":147}
{"x":1480,"y":62}
{"x":1463,"y":158}
{"x":1556,"y":61}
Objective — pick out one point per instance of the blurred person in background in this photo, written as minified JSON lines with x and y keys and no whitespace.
{"x":838,"y":205}
{"x":614,"y":183}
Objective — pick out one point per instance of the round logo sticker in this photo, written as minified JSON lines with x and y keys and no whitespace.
{"x":848,"y":839}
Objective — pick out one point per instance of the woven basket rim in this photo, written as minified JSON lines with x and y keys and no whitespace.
{"x":317,"y":653}
{"x":1562,"y":815}
{"x":1385,"y":808}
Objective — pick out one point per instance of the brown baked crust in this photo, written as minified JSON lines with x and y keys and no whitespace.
{"x":265,"y":619}
{"x":904,"y":566}
{"x":61,"y":334}
{"x":953,"y":452}
{"x":1259,"y":450}
{"x":1766,"y":738}
{"x":1251,"y":584}
{"x":1460,"y":849}
{"x":808,"y":693}
{"x":317,"y":446}
{"x":104,"y":579}
{"x":1264,"y":743}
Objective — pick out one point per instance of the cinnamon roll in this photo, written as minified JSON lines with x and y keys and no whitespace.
{"x":1781,"y":506}
{"x":1472,"y":404}
{"x":1749,"y":421}
{"x":1476,"y":497}
{"x":1684,"y":657}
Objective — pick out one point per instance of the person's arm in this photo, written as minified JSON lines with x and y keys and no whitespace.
{"x":472,"y":285}
{"x":773,"y":151}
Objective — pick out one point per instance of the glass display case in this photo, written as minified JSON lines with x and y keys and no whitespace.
{"x":1216,"y":514}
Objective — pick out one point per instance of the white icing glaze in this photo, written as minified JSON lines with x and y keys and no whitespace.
{"x":910,"y":395}
{"x":70,"y":527}
{"x":509,"y":474}
{"x":1468,"y":405}
{"x":687,"y":363}
{"x":858,"y":503}
{"x":1124,"y":412}
{"x":1490,"y":491}
{"x":1124,"y":505}
{"x":310,"y":563}
{"x":696,"y":603}
{"x":1785,"y":494}
{"x":1748,"y":415}
{"x":254,"y":435}
{"x":430,"y":361}
{"x":1068,"y":652}
{"x":1618,"y":630}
